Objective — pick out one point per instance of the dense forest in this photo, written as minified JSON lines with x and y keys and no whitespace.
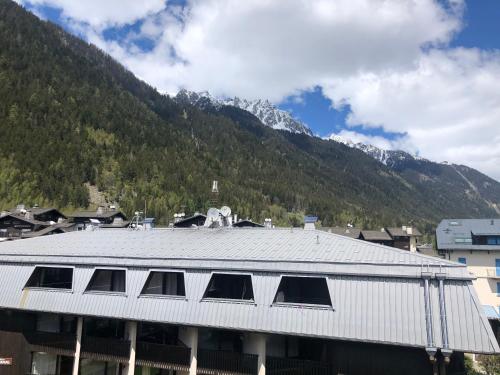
{"x":70,"y":115}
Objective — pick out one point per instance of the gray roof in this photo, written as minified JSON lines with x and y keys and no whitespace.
{"x":451,"y":233}
{"x":348,"y":232}
{"x":96,"y":214}
{"x":376,"y":291}
{"x":399,"y":232}
{"x":23,"y":217}
{"x":376,"y":235}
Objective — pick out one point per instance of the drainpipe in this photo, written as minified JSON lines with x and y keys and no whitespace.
{"x":430,"y":348}
{"x":76,"y":361}
{"x":444,"y":324}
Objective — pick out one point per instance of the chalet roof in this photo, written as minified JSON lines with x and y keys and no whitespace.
{"x":247,"y":223}
{"x":377,"y":292}
{"x":400,"y":232}
{"x":97,"y":214}
{"x":23,"y":217}
{"x":194,"y":218}
{"x":56,"y":228}
{"x":376,"y":235}
{"x":348,"y":232}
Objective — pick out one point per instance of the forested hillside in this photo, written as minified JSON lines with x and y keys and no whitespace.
{"x":70,"y":115}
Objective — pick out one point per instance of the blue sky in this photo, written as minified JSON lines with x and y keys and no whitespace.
{"x":418,"y":76}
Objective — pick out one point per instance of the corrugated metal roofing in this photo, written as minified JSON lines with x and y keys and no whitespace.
{"x":450,"y":232}
{"x":369,"y":305}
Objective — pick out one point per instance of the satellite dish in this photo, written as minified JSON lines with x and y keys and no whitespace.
{"x":225,"y":211}
{"x":213,"y":216}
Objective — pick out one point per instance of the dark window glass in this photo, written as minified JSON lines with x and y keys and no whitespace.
{"x":51,"y":277}
{"x":107,"y":281}
{"x":165,"y":283}
{"x":229,"y":286}
{"x":100,"y":327}
{"x":303,"y":290}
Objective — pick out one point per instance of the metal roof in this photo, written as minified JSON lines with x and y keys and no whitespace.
{"x":348,"y":232}
{"x":377,"y":292}
{"x":451,"y":233}
{"x":96,"y":214}
{"x":376,"y":235}
{"x":400,"y":232}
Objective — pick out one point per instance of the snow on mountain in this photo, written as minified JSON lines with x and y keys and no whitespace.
{"x":387,"y":157}
{"x":264,"y":110}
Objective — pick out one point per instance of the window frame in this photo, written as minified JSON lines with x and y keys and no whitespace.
{"x":229,"y":300}
{"x":304,"y":305}
{"x":41,"y":288}
{"x":166,"y":296}
{"x":462,"y":260}
{"x":124,"y":293}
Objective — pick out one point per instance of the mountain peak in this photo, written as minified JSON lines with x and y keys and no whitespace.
{"x":263,"y":109}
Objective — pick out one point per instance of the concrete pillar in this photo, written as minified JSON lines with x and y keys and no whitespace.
{"x":132,"y":337}
{"x":76,"y":361}
{"x":256,"y":344}
{"x":189,"y":336}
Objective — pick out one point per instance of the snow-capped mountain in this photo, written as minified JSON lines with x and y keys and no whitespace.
{"x":387,"y":157}
{"x":264,"y":110}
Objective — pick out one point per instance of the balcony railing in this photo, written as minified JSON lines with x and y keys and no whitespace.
{"x":170,"y":357}
{"x":53,"y":342}
{"x":105,"y":349}
{"x":492,"y":273}
{"x":227,"y":363}
{"x":290,"y":366}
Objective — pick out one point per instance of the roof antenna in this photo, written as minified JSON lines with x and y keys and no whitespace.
{"x":214,"y":202}
{"x":317,"y":239}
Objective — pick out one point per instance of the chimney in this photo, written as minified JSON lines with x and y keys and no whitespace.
{"x":404,"y":228}
{"x":409,"y":230}
{"x":100,"y":210}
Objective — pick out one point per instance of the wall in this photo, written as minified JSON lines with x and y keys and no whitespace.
{"x":482,"y":265}
{"x":13,"y":345}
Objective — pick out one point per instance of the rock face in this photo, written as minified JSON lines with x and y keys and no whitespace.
{"x":264,"y":110}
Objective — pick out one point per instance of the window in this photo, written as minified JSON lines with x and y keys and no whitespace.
{"x":230,"y":286}
{"x":462,"y":260}
{"x":463,"y":240}
{"x":492,"y":240}
{"x":303,"y":290}
{"x":497,"y":266}
{"x":165,"y":283}
{"x":107,"y":281}
{"x":51,"y":277}
{"x":498,"y":289}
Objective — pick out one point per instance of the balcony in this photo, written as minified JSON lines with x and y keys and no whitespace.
{"x":290,"y":366}
{"x":491,"y":273}
{"x":51,"y":342}
{"x":105,"y":349}
{"x":169,"y":357}
{"x":216,"y":362}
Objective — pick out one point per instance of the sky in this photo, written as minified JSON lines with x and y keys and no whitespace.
{"x":418,"y":75}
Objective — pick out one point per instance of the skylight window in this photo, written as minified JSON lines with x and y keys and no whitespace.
{"x":165,"y":283}
{"x":105,"y":280}
{"x":230,"y":286}
{"x":51,"y":277}
{"x":303,"y":291}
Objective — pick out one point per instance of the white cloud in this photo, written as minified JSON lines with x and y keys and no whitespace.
{"x":448,"y":105}
{"x":101,"y":14}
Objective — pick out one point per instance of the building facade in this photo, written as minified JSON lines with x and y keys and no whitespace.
{"x":476,"y":244}
{"x":232,"y":301}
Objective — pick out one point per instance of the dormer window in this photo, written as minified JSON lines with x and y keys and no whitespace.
{"x":230,"y":287}
{"x":107,"y":280}
{"x":51,"y":277}
{"x":165,"y":283}
{"x":303,"y":291}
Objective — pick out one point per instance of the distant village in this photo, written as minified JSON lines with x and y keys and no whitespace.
{"x":216,"y":294}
